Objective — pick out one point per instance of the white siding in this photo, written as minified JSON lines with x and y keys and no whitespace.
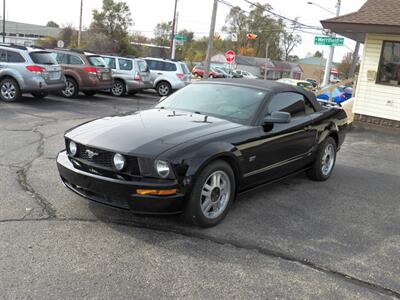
{"x":375,"y":99}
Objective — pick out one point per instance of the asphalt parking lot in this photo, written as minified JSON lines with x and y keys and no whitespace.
{"x":295,"y":239}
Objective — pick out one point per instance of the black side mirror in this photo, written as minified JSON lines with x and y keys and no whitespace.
{"x":277,"y":117}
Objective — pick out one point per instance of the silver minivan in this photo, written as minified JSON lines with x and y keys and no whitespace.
{"x":130,"y":75}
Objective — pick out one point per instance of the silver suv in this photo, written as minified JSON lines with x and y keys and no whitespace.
{"x":28,"y":70}
{"x":130,"y":75}
{"x":168,"y":75}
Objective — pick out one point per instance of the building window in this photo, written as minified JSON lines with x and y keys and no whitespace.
{"x":389,"y":64}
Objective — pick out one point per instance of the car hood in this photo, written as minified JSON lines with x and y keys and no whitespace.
{"x":147,"y":133}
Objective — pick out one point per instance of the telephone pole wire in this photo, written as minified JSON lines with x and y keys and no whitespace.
{"x":173,"y":28}
{"x":211,"y":37}
{"x":328,"y":66}
{"x":4,"y":21}
{"x":80,"y":26}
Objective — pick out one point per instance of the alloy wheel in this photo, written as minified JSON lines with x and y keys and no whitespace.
{"x":328,"y":160}
{"x":163,"y":89}
{"x":69,"y":89}
{"x":215,"y":194}
{"x":8,"y":91}
{"x":118,"y":88}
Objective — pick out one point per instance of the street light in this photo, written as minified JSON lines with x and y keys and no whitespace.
{"x":316,"y":4}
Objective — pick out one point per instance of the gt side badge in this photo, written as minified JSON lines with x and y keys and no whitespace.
{"x":252,"y":158}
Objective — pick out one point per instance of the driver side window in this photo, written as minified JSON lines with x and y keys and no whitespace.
{"x":295,"y":104}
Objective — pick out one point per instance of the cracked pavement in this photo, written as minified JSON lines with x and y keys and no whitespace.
{"x":293,"y":239}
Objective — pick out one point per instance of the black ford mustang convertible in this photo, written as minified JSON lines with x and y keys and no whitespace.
{"x":198,"y":148}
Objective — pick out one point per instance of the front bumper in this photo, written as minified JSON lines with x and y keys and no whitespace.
{"x":119,"y":193}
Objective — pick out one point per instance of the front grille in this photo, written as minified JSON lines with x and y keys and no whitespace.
{"x":95,"y":156}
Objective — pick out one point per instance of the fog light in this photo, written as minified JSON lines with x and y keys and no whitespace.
{"x":144,"y":192}
{"x":72,"y":148}
{"x":119,"y":161}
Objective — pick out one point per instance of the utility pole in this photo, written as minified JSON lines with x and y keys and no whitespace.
{"x":80,"y":26}
{"x":266,"y":60}
{"x":328,"y":66}
{"x":211,"y":37}
{"x":174,"y":40}
{"x":355,"y":60}
{"x":4,"y":21}
{"x":173,"y":29}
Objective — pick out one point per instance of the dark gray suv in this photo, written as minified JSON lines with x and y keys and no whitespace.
{"x":28,"y":70}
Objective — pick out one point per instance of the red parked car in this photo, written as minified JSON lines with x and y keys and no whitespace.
{"x":199,"y":71}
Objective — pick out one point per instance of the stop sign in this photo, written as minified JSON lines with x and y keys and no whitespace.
{"x":230,"y":56}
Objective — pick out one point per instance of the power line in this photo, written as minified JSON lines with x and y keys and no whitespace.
{"x":282,"y":17}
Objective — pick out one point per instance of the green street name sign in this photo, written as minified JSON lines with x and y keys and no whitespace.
{"x":328,"y":41}
{"x":180,"y":38}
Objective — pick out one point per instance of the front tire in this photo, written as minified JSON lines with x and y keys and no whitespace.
{"x":71,"y":89}
{"x":212,"y":195}
{"x":325,"y":160}
{"x":9,"y":90}
{"x":163,"y":89}
{"x":118,"y":89}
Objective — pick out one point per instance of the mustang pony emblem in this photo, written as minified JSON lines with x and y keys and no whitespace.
{"x":91,"y":154}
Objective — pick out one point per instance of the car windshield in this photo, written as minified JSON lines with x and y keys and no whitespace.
{"x":96,"y":61}
{"x":234,"y":103}
{"x":42,"y":58}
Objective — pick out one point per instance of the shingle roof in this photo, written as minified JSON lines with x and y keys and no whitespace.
{"x":373,"y":12}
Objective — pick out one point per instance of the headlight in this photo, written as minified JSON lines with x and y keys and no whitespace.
{"x":72,"y":148}
{"x":119,"y":161}
{"x":162,"y":168}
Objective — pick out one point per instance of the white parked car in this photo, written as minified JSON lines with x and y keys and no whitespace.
{"x":246,"y":74}
{"x":168,"y":75}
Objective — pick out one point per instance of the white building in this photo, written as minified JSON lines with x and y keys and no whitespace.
{"x":377,"y":25}
{"x":26,"y":34}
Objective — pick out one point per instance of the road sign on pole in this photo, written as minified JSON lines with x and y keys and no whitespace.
{"x":328,"y":41}
{"x":180,"y":38}
{"x":60,"y":44}
{"x":234,"y":37}
{"x":230,"y":56}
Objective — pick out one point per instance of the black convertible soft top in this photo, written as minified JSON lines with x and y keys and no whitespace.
{"x":273,"y":87}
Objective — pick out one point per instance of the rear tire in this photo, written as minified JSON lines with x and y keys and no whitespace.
{"x":9,"y":90}
{"x":163,"y":88}
{"x":118,"y":89}
{"x":212,"y":195}
{"x":40,"y":95}
{"x":325,"y":160}
{"x":71,"y":89}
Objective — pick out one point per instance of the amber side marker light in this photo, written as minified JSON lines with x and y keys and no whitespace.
{"x":156,"y":192}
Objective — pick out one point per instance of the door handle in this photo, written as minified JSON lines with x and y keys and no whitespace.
{"x":159,"y":73}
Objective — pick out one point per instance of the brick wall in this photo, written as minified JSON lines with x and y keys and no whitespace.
{"x":376,"y":121}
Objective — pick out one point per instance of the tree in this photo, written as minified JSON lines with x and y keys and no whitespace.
{"x":162,"y":33}
{"x":318,"y":54}
{"x":257,"y":22}
{"x":113,"y":21}
{"x":344,"y":66}
{"x":52,"y":24}
{"x":69,"y":35}
{"x":290,"y":40}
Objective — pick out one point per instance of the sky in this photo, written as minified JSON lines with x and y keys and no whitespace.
{"x":194,"y":15}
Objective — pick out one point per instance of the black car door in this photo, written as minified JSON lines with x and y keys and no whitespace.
{"x":281,"y":148}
